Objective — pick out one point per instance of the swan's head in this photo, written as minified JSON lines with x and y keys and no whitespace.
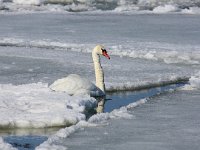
{"x":100,"y":50}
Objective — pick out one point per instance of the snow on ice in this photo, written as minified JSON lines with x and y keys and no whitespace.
{"x":33,"y":105}
{"x":5,"y":146}
{"x":139,"y":59}
{"x":116,"y":6}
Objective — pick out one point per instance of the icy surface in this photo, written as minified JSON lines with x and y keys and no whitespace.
{"x":94,"y":121}
{"x":165,"y":9}
{"x":55,"y":49}
{"x":130,"y":6}
{"x":195,"y":81}
{"x":31,"y":66}
{"x":28,"y":2}
{"x":170,"y":39}
{"x":163,"y":122}
{"x":33,"y":105}
{"x":146,"y":50}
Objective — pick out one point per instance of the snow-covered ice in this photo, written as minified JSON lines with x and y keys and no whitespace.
{"x":195,"y":81}
{"x":147,"y":50}
{"x":99,"y":6}
{"x":160,"y":122}
{"x":94,"y":121}
{"x":163,"y":122}
{"x":165,"y":9}
{"x":33,"y":105}
{"x":34,"y":96}
{"x":139,"y":59}
{"x":29,"y":2}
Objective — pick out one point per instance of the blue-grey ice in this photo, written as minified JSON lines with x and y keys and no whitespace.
{"x":151,"y":44}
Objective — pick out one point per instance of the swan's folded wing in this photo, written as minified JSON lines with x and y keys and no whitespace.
{"x":76,"y":85}
{"x":63,"y":85}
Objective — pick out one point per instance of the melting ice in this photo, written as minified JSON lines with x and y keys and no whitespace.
{"x":155,"y":6}
{"x":146,"y":50}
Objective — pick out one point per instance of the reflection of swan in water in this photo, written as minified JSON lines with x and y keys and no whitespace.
{"x":74,"y":84}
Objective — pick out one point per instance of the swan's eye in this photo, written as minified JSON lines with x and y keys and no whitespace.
{"x":104,"y":50}
{"x":104,"y":53}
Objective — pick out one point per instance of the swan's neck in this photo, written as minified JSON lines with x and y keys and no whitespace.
{"x":98,"y":71}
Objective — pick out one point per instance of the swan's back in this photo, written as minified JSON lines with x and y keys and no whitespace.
{"x":76,"y":85}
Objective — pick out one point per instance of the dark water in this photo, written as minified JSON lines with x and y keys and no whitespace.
{"x":119,"y":99}
{"x":25,"y":142}
{"x":26,"y":139}
{"x":116,"y":100}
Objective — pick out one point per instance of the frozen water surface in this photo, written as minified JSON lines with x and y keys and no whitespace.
{"x":169,"y":121}
{"x":113,"y":6}
{"x":32,"y":65}
{"x":94,"y":28}
{"x":147,"y":50}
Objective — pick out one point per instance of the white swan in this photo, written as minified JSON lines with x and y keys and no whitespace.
{"x":75,"y":85}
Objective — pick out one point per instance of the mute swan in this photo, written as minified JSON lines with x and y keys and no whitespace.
{"x":75,"y":85}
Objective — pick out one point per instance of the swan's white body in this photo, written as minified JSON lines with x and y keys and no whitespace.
{"x":74,"y":84}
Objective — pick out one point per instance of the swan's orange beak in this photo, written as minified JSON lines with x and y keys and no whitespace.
{"x":106,"y":54}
